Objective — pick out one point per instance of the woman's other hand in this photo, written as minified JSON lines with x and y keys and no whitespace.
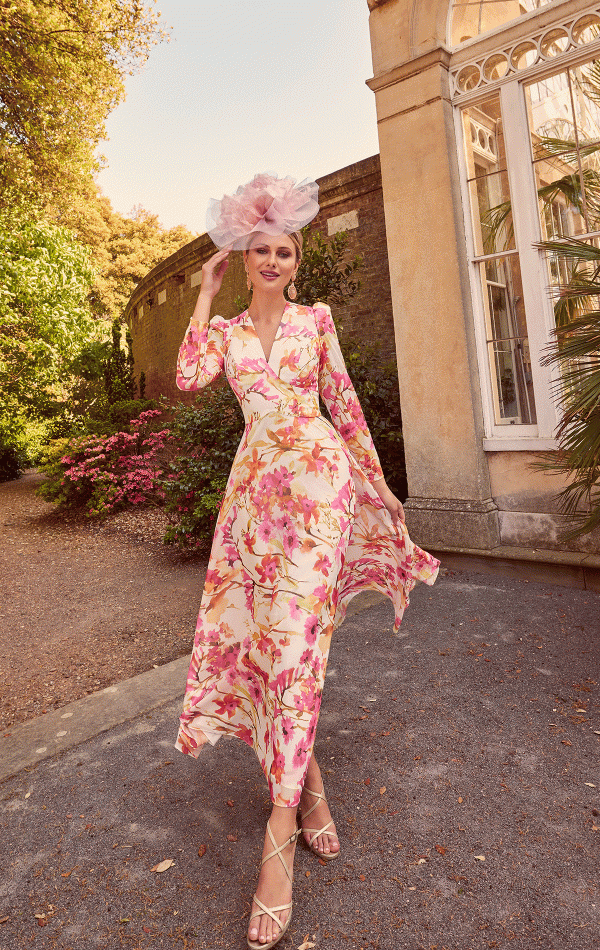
{"x":393,"y":504}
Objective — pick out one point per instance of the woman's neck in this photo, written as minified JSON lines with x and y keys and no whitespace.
{"x":267,"y":308}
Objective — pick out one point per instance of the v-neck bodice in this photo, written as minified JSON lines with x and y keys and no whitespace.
{"x":250,"y":322}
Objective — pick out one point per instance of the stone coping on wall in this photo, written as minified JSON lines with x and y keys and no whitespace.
{"x":564,"y":568}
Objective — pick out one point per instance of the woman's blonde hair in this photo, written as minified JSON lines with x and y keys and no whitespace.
{"x":298,"y":240}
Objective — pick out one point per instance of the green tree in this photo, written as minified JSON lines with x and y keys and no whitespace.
{"x":124,"y":248}
{"x":61,"y":72}
{"x":45,"y":279}
{"x":119,"y":382}
{"x":324,"y":274}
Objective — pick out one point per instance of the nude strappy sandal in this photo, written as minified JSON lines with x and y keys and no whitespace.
{"x":313,"y":832}
{"x":272,"y":911}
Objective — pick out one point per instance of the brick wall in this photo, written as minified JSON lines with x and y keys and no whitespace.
{"x":160,"y":307}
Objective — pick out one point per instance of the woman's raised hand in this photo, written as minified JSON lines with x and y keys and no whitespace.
{"x":213,"y":272}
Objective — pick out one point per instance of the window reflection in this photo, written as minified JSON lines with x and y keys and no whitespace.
{"x":471,"y":18}
{"x":508,"y":346}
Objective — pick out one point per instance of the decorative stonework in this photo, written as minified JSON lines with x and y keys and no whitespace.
{"x":527,"y":54}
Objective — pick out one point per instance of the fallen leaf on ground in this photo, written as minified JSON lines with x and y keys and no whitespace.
{"x":440,"y":849}
{"x":232,"y":837}
{"x":306,"y":944}
{"x":230,"y":803}
{"x":3,"y":920}
{"x":367,"y":781}
{"x":590,"y":784}
{"x":566,"y":742}
{"x":163,"y":866}
{"x":422,"y":861}
{"x":201,"y":850}
{"x":382,"y":790}
{"x":39,"y":916}
{"x":480,"y":857}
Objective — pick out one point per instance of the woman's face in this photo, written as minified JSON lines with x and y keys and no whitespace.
{"x":271,"y":261}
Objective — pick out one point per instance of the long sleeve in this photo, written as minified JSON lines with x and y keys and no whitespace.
{"x":201,"y":355}
{"x":339,"y":395}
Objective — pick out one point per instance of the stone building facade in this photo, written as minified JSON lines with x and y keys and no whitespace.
{"x":159,"y":310}
{"x":465,"y":94}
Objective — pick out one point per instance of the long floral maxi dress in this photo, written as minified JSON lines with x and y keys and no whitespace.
{"x":300,"y":531}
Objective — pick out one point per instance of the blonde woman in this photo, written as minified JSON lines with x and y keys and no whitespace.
{"x":307,"y":521}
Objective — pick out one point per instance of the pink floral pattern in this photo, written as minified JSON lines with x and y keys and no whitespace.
{"x":301,"y":530}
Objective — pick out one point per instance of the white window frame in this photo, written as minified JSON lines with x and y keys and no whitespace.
{"x":527,"y":229}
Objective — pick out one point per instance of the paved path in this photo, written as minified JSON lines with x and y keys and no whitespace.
{"x":462,"y":764}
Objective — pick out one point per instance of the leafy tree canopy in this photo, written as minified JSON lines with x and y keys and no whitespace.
{"x":45,"y":279}
{"x":124,"y":249}
{"x":61,"y":72}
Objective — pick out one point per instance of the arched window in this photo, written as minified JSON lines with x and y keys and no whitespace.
{"x":528,"y":122}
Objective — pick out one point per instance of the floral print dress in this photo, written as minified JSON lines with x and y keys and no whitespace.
{"x":301,"y":530}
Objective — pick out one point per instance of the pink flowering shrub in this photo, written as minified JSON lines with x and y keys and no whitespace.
{"x":105,"y":473}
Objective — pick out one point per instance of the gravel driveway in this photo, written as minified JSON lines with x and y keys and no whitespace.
{"x":84,"y":605}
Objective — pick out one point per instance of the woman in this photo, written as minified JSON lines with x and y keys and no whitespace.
{"x":306,"y":522}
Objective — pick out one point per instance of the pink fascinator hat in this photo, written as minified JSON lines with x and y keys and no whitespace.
{"x":265,"y":205}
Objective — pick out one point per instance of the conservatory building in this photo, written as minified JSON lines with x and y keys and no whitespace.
{"x":489,"y":129}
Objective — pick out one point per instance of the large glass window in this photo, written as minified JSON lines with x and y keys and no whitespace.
{"x":529,"y":120}
{"x":497,"y":264}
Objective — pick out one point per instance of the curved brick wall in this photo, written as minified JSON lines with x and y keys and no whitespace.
{"x":160,"y":307}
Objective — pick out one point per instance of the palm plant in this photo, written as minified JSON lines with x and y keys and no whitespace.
{"x":575,"y":350}
{"x":577,"y":354}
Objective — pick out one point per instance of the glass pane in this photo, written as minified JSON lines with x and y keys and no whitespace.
{"x":508,"y":346}
{"x":564,"y":120}
{"x":471,"y":18}
{"x":492,"y":215}
{"x":488,"y":180}
{"x":484,"y":138}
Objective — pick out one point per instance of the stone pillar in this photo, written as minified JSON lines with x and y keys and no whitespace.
{"x":448,"y":478}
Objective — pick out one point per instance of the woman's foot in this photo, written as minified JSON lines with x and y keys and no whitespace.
{"x":272,"y":903}
{"x":317,"y":824}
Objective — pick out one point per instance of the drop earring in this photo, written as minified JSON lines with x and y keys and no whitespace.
{"x":248,"y":281}
{"x":291,"y":291}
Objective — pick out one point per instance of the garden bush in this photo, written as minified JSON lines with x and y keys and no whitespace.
{"x":105,"y":473}
{"x":376,"y":386}
{"x":10,"y":461}
{"x":206,"y":435}
{"x":121,"y":414}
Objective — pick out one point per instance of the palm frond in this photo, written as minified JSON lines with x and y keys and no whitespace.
{"x":576,"y":351}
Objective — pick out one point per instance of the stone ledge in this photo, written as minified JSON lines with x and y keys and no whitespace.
{"x":564,"y":568}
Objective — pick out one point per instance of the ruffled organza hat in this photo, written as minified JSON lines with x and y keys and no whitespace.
{"x":265,"y":205}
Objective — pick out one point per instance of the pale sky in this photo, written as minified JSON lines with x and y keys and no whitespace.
{"x":242,"y":87}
